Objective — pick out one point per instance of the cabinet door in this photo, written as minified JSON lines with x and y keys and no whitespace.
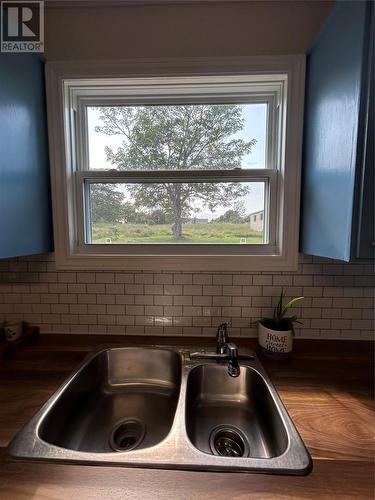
{"x":333,"y":96}
{"x":365,"y":248}
{"x":25,"y":209}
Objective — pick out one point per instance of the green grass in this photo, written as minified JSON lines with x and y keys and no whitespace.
{"x":191,"y":233}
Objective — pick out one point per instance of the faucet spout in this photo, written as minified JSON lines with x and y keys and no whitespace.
{"x":222,"y":338}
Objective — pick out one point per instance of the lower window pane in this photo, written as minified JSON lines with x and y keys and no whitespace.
{"x":179,"y":212}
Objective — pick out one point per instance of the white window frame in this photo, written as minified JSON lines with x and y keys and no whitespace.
{"x":73,"y":86}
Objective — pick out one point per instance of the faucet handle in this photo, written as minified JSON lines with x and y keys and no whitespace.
{"x":232,"y":350}
{"x":224,"y":324}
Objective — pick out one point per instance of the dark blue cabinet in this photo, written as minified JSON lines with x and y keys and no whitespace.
{"x":25,"y":208}
{"x":337,"y":218}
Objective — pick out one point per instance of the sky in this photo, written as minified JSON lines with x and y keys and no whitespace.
{"x":255,"y":128}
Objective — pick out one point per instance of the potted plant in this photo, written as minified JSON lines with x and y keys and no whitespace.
{"x":276,"y":333}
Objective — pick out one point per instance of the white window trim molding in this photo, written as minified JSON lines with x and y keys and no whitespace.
{"x":68,"y":253}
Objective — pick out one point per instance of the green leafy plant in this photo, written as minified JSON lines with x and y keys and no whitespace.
{"x":279,"y":321}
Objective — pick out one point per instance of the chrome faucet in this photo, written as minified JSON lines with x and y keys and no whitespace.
{"x":222,"y":338}
{"x":233,"y":364}
{"x":225,"y":351}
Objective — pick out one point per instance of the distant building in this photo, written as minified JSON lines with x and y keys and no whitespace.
{"x":257,"y":220}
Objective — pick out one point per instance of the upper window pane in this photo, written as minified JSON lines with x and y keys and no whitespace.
{"x":177,"y":137}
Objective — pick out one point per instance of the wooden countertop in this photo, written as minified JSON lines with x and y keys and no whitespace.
{"x":327,"y":389}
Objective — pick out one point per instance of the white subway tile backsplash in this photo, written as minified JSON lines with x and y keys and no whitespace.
{"x":331,"y":313}
{"x":183,"y":279}
{"x":124,"y":278}
{"x":125,"y":320}
{"x":233,"y":312}
{"x":165,"y":300}
{"x":57,"y":288}
{"x":182,"y":300}
{"x":212,"y":290}
{"x":163,"y":279}
{"x":352,"y":313}
{"x":191,"y":311}
{"x":202,"y":279}
{"x":116,"y":310}
{"x":172,"y":311}
{"x":39,"y":308}
{"x":144,"y":278}
{"x":262,"y":279}
{"x":106,"y":319}
{"x":282,"y":280}
{"x":223,"y":301}
{"x":134,"y":289}
{"x":87,"y":298}
{"x":153,"y":289}
{"x":144,"y":320}
{"x":78,"y":309}
{"x":202,"y":321}
{"x":86,"y":277}
{"x":111,"y":288}
{"x":211,"y":311}
{"x":242,"y":279}
{"x":145,"y":300}
{"x":182,"y":321}
{"x":125,"y":299}
{"x":339,"y":299}
{"x":59,"y":308}
{"x":96,"y":309}
{"x":368,"y":313}
{"x":67,"y":277}
{"x":105,"y":299}
{"x":233,"y":290}
{"x":87,"y":319}
{"x":104,"y":277}
{"x":202,"y":300}
{"x":223,"y":279}
{"x":95,"y":288}
{"x":135,"y":310}
{"x":155,"y":310}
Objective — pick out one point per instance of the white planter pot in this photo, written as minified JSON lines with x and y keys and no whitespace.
{"x":275,"y":343}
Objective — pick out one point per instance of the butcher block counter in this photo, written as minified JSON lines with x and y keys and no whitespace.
{"x":327,"y":388}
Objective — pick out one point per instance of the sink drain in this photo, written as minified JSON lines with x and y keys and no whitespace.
{"x":227,"y":441}
{"x":127,"y":435}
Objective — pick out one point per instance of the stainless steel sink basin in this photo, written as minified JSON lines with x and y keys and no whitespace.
{"x":157,"y":407}
{"x":233,"y":416}
{"x":117,"y":396}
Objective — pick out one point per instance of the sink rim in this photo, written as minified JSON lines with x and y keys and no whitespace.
{"x":175,"y":451}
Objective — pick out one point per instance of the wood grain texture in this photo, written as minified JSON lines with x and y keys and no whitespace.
{"x":326,"y":387}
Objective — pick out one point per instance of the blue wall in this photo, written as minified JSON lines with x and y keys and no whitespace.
{"x":25,"y":207}
{"x":334,"y":78}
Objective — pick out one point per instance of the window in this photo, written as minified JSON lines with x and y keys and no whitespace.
{"x":166,"y":172}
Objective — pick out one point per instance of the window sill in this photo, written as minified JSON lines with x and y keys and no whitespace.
{"x":177,"y":262}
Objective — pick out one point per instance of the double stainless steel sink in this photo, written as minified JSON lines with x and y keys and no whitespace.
{"x":162,"y":407}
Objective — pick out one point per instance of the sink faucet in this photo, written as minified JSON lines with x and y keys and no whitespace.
{"x":222,"y":338}
{"x":233,"y":364}
{"x":225,"y":351}
{"x":223,"y":347}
